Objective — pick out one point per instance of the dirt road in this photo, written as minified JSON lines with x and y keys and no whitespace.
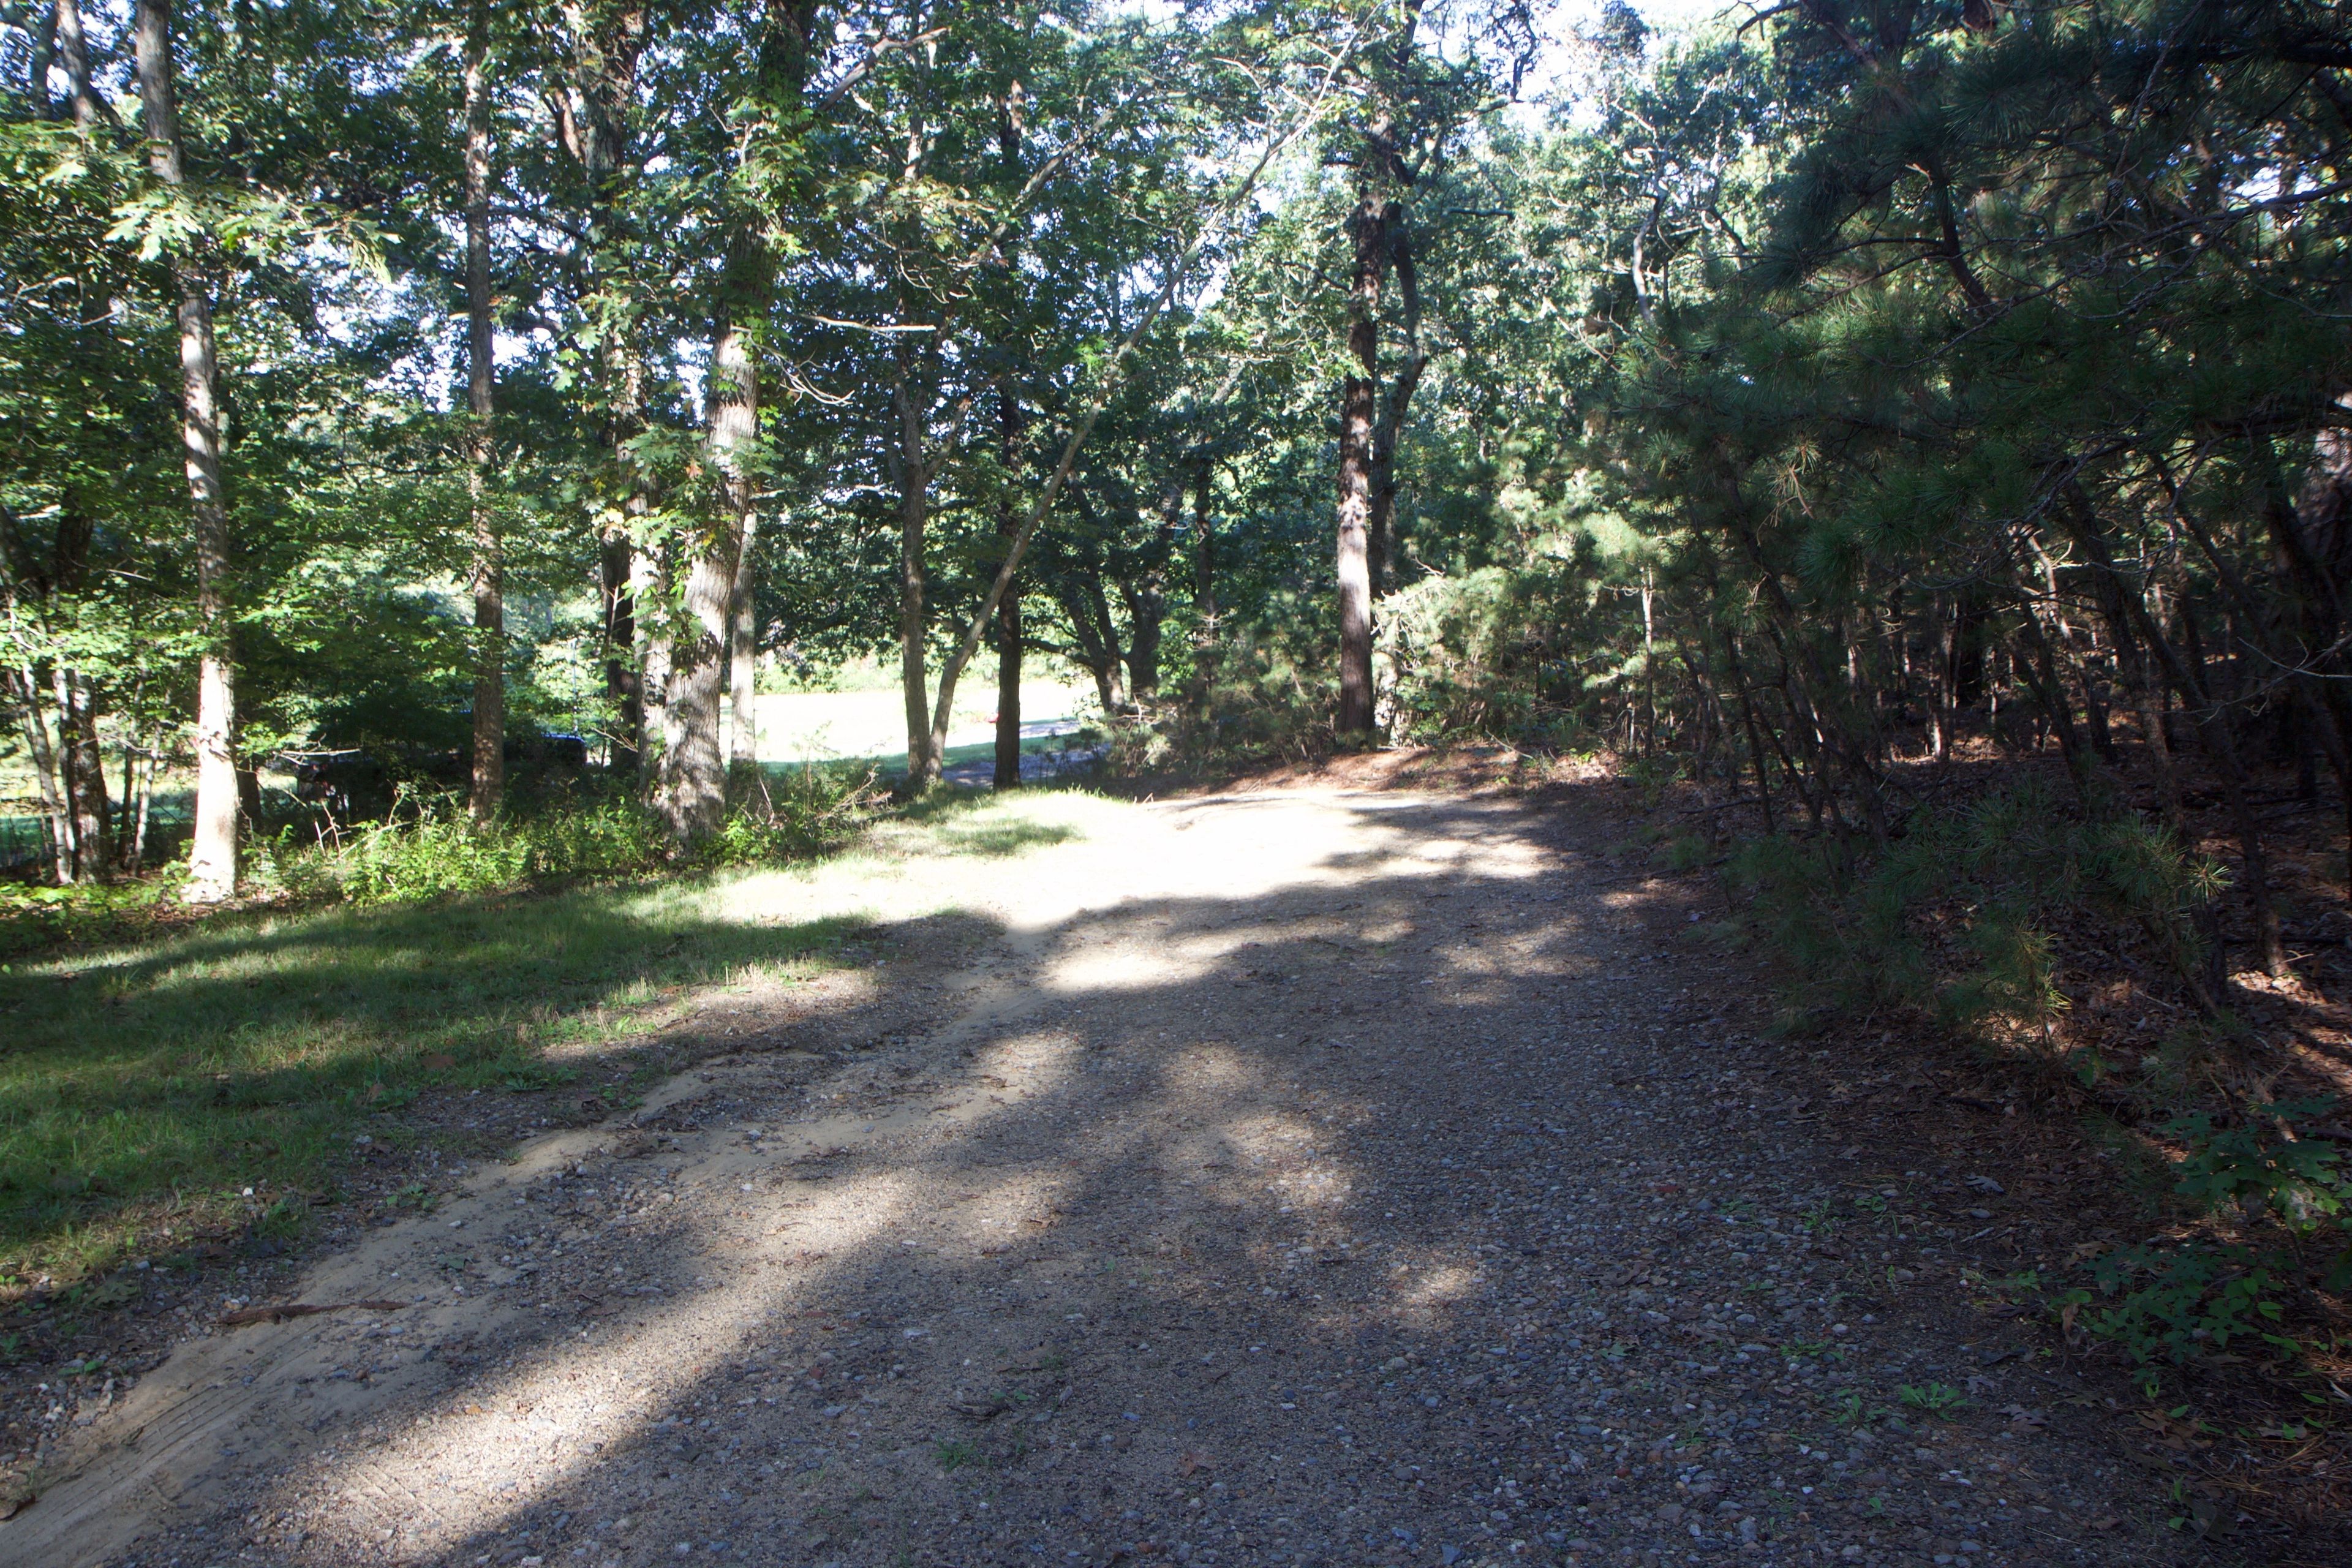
{"x":1293,"y":1178}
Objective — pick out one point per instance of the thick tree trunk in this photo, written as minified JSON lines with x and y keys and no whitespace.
{"x":693,"y":791}
{"x":489,"y":562}
{"x":211,"y":853}
{"x":73,"y":53}
{"x":1008,"y":611}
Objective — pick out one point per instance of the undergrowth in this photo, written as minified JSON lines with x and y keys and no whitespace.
{"x":1964,"y":918}
{"x":428,"y":846}
{"x":1954,"y":916}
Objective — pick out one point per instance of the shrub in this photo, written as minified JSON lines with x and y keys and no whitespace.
{"x":2175,"y":1303}
{"x":430,"y":846}
{"x":1951,"y":916}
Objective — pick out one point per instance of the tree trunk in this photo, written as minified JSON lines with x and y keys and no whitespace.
{"x":73,"y":53}
{"x":211,"y":853}
{"x":623,"y":683}
{"x":1146,"y":598}
{"x":1381,"y":534}
{"x":44,"y":51}
{"x":81,"y":773}
{"x":1358,"y":395}
{"x":56,"y":820}
{"x":743,"y":651}
{"x":913,"y":501}
{"x":1096,"y":634}
{"x":1008,"y":611}
{"x":1204,"y":591}
{"x":488,"y":563}
{"x":693,"y":789}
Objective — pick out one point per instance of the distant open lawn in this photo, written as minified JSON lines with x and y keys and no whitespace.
{"x":153,"y":1083}
{"x":871,"y":725}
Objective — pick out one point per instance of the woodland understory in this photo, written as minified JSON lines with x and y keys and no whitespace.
{"x":1905,"y":444}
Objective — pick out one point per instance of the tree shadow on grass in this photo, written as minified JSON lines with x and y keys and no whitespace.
{"x":250,"y":1056}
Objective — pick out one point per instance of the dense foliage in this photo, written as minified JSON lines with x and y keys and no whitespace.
{"x":1872,"y":380}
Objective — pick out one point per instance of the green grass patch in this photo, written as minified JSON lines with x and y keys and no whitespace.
{"x":251,"y":1055}
{"x":166,"y":1077}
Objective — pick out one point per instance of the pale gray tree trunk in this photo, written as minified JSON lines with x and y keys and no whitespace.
{"x":693,"y":794}
{"x":211,"y":853}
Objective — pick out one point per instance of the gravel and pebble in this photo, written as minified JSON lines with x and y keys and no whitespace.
{"x":1302,"y":1178}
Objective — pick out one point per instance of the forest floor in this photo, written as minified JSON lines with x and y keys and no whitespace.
{"x":1299,"y":1175}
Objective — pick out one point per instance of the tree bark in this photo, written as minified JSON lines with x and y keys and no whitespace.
{"x":1380,"y":539}
{"x":489,"y":561}
{"x":743,"y":651}
{"x":1008,"y":610}
{"x":81,"y":773}
{"x":211,"y":853}
{"x":1358,"y":395}
{"x":693,"y":789}
{"x":623,"y":685}
{"x":914,"y":502}
{"x":73,"y":53}
{"x":55,"y":819}
{"x":1204,"y":590}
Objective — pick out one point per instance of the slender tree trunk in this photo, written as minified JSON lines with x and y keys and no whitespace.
{"x":1359,"y":397}
{"x":489,"y":561}
{"x":212,"y":854}
{"x":1205,"y":592}
{"x":1097,"y":636}
{"x":1008,"y":610}
{"x":1380,"y":535}
{"x":743,"y":651}
{"x":57,"y":821}
{"x":624,"y":681}
{"x":605,"y":43}
{"x":137,"y":856}
{"x":81,"y":773}
{"x":1146,"y":598}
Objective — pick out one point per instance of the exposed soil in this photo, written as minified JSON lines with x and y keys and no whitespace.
{"x":1309,"y":1176}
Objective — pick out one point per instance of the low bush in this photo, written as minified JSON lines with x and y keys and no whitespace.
{"x":429,"y":847}
{"x":2280,"y":1201}
{"x":1954,"y":916}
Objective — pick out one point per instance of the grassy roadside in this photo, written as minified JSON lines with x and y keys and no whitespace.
{"x":151,"y":1088}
